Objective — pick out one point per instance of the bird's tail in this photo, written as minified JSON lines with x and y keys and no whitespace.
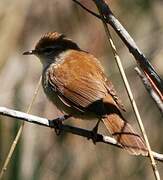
{"x":125,"y":134}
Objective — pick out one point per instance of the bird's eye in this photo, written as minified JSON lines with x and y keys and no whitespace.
{"x":48,"y":50}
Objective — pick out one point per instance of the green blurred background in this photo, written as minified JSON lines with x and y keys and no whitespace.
{"x":41,"y":154}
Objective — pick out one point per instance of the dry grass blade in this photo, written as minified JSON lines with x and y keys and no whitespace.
{"x":133,"y":103}
{"x":18,"y":135}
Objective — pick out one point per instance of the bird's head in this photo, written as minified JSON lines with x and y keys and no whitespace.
{"x":50,"y":46}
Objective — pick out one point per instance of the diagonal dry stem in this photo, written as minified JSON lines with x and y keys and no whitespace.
{"x":129,"y":92}
{"x":149,"y":88}
{"x":18,"y":135}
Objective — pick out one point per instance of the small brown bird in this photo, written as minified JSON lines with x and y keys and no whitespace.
{"x":75,"y":82}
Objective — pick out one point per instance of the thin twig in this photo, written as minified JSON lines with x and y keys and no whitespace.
{"x":144,"y":63}
{"x":18,"y":135}
{"x":64,"y":128}
{"x":100,"y":5}
{"x":149,"y":88}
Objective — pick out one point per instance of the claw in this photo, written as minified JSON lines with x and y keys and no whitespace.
{"x":58,"y":126}
{"x":57,"y":123}
{"x":94,"y":133}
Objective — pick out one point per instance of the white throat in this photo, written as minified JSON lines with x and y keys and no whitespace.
{"x":56,"y":60}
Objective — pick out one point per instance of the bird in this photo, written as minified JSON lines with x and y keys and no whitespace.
{"x":74,"y":80}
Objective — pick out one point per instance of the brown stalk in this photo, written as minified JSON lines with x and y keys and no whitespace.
{"x":102,"y":5}
{"x":19,"y":133}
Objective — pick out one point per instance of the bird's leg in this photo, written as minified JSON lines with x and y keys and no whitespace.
{"x":94,"y":132}
{"x":57,"y":123}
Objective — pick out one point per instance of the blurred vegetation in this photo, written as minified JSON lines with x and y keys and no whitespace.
{"x":41,"y":154}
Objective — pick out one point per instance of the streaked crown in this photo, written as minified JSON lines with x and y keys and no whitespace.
{"x":55,"y":40}
{"x":50,"y":46}
{"x":49,"y":39}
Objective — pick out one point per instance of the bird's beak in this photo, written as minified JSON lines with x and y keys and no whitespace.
{"x":29,"y":52}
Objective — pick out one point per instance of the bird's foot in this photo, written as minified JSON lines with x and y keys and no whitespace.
{"x":57,"y":123}
{"x":94,"y":135}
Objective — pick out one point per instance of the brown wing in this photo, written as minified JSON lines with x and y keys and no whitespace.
{"x":79,"y":80}
{"x":113,"y":93}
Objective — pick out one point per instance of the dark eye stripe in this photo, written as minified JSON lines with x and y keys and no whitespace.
{"x":48,"y":49}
